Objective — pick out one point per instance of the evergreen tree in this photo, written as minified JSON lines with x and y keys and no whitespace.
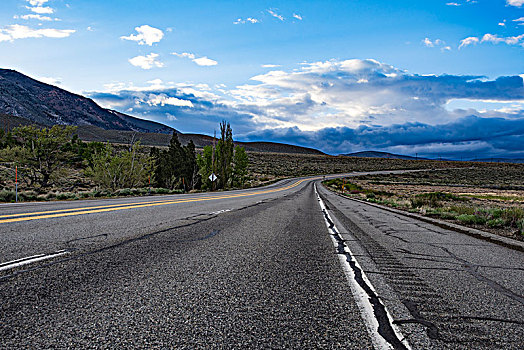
{"x":176,"y":167}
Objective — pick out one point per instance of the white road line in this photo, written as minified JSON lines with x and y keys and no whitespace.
{"x":361,"y":296}
{"x":30,"y":259}
{"x":220,"y":212}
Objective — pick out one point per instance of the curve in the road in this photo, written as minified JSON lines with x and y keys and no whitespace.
{"x":106,"y":208}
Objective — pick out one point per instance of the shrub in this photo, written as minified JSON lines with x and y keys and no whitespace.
{"x":520,"y":226}
{"x":124,"y":192}
{"x":28,"y":196}
{"x":471,"y":219}
{"x":65,"y":195}
{"x":495,"y":223}
{"x":7,"y":196}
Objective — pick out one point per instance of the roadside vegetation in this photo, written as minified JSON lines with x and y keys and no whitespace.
{"x":53,"y":163}
{"x":491,"y":199}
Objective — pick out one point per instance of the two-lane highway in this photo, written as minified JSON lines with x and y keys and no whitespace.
{"x":257,"y":268}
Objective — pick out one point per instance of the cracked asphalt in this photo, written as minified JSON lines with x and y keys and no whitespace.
{"x":254,"y":271}
{"x":454,"y":291}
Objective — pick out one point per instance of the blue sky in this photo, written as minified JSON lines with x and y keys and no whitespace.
{"x":437,"y":78}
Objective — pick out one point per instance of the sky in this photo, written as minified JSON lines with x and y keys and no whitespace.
{"x":435,"y":78}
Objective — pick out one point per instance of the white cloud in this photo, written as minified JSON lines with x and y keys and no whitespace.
{"x":521,"y":19}
{"x":430,"y":43}
{"x":37,"y":2}
{"x":247,"y":20}
{"x":503,"y":23}
{"x":466,"y":2}
{"x":163,"y":99}
{"x":204,"y":61}
{"x":516,"y":3}
{"x":37,"y":17}
{"x":270,"y":65}
{"x":297,"y":16}
{"x":147,"y":35}
{"x":276,"y":15}
{"x":171,"y":117}
{"x":16,"y":31}
{"x":184,"y":55}
{"x":146,"y":62}
{"x":41,"y":10}
{"x":468,"y":41}
{"x":511,"y":40}
{"x":201,"y":61}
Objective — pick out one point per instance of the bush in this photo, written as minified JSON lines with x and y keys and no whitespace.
{"x":28,"y":196}
{"x":433,"y":199}
{"x":124,"y":192}
{"x":520,"y":226}
{"x":495,"y":223}
{"x":471,"y":219}
{"x":65,"y":195}
{"x":7,"y":196}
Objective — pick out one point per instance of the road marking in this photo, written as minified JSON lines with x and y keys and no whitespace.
{"x":107,"y":208}
{"x":30,"y":259}
{"x":220,"y":212}
{"x":384,"y":334}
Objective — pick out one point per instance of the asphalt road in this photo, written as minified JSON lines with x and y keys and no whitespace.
{"x":254,"y":268}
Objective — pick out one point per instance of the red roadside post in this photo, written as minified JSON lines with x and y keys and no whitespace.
{"x":16,"y":184}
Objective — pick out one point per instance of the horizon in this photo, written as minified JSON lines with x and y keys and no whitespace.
{"x":434,"y":79}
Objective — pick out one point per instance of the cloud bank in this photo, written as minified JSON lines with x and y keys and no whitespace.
{"x":341,"y":106}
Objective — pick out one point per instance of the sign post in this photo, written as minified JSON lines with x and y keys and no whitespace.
{"x":16,"y":184}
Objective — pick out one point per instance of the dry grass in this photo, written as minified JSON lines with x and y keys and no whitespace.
{"x":488,"y":197}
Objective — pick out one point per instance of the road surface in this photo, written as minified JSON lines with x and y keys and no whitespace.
{"x":260,"y":268}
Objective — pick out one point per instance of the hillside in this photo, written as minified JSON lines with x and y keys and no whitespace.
{"x":24,"y":101}
{"x":376,"y":154}
{"x":44,"y":104}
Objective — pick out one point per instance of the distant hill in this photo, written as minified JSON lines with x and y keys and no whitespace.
{"x":93,"y":133}
{"x":25,"y":101}
{"x":22,"y":96}
{"x":498,"y":160}
{"x":376,"y":154}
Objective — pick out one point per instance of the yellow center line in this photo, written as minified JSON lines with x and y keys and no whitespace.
{"x":107,"y":208}
{"x":119,"y":205}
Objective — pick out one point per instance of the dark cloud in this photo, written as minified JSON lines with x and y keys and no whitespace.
{"x":468,"y":137}
{"x":374,"y":106}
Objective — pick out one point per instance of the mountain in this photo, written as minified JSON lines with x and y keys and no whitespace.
{"x":376,"y":154}
{"x":47,"y":105}
{"x":25,"y":101}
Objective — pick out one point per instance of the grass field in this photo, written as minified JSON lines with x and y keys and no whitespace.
{"x":488,"y":197}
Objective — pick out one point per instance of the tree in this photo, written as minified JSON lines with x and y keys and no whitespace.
{"x":224,"y":154}
{"x":125,"y":169}
{"x":176,"y":167}
{"x":240,"y":165}
{"x":231,"y":162}
{"x":39,"y":152}
{"x":205,"y":166}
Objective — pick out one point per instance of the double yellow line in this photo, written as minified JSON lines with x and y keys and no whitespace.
{"x":4,"y":219}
